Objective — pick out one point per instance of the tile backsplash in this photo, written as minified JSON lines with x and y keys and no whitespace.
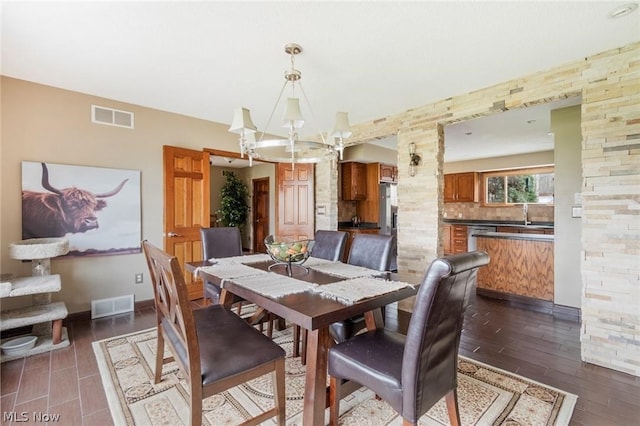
{"x":475,"y":211}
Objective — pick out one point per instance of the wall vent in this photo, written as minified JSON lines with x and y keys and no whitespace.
{"x":111,"y":306}
{"x":111,"y":117}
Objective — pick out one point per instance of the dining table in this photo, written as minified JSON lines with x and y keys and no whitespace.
{"x":313,"y":296}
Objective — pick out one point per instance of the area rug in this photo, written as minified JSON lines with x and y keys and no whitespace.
{"x":486,"y":395}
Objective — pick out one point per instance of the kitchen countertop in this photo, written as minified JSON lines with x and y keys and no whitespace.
{"x":512,"y":236}
{"x":364,"y":225}
{"x":518,"y":223}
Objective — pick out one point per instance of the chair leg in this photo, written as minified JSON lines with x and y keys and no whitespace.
{"x":279,"y":391}
{"x":303,"y":351}
{"x":452,"y":407}
{"x":196,"y":406}
{"x":270,"y":320}
{"x":334,"y":401}
{"x":159,"y":356}
{"x":296,"y":341}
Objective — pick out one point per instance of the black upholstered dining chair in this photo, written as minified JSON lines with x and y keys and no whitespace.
{"x":371,"y":251}
{"x":216,"y":243}
{"x":221,"y":242}
{"x":329,"y":245}
{"x":213,"y":347}
{"x":415,"y":371}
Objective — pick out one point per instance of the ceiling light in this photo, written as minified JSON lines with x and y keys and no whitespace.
{"x":290,"y":149}
{"x":623,"y":10}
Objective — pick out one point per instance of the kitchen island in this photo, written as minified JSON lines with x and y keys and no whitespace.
{"x":521,"y":267}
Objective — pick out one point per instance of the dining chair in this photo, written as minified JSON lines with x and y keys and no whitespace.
{"x":214,"y":348}
{"x":328,"y":245}
{"x":221,"y":242}
{"x":371,"y":251}
{"x":415,"y":371}
{"x":218,"y":243}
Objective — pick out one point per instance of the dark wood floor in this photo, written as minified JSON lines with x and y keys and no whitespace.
{"x":532,"y":344}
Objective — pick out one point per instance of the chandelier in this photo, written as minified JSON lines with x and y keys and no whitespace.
{"x":290,"y":149}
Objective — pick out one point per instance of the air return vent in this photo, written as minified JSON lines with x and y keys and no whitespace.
{"x":111,"y":306}
{"x":111,"y":117}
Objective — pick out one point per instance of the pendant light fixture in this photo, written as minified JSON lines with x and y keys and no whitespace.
{"x":290,"y":148}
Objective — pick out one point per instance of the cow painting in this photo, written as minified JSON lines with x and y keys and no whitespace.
{"x":59,"y":212}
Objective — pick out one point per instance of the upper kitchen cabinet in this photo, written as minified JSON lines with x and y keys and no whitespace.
{"x":354,"y":181}
{"x":388,"y":173}
{"x":461,"y":187}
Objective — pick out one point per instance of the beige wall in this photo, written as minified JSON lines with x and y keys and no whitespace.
{"x":565,"y":124}
{"x":41,"y":123}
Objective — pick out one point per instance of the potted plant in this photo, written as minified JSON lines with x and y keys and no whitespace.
{"x":234,"y":209}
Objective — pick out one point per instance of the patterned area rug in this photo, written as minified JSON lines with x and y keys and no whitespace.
{"x":487,"y":396}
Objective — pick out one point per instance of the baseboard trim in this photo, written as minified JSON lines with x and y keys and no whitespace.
{"x":558,"y":311}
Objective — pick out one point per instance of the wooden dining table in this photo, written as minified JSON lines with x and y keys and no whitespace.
{"x":313,"y":312}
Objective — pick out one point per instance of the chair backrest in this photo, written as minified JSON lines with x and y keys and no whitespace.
{"x":220,"y":242}
{"x":173,"y":307}
{"x":429,"y":366}
{"x":329,"y":245}
{"x":372,"y":251}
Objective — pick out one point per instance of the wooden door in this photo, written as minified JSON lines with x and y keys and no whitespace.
{"x":186,"y":207}
{"x":260,"y":213}
{"x":296,"y":200}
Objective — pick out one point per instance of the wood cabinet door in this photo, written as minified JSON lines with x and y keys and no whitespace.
{"x":466,"y":187}
{"x":295,"y":200}
{"x":446,"y":239}
{"x":449,"y":188}
{"x":387,"y":173}
{"x":186,"y":207}
{"x":354,"y":181}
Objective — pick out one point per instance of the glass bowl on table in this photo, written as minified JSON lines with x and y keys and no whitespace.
{"x":288,"y":251}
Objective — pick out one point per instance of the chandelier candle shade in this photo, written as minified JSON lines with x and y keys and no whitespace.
{"x":290,"y":149}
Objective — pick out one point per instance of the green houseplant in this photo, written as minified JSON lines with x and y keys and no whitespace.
{"x":234,"y":209}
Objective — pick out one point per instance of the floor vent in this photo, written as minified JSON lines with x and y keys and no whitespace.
{"x":111,"y":117}
{"x":111,"y":306}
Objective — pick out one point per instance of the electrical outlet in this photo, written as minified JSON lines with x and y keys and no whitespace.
{"x":139,"y":278}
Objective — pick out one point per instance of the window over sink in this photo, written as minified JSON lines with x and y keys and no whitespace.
{"x":509,"y":187}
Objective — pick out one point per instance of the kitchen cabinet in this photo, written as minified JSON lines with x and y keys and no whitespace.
{"x":461,"y":187}
{"x":354,"y":181}
{"x":455,"y":239}
{"x":388,"y":173}
{"x":351,"y":234}
{"x":369,"y":208}
{"x":520,"y":266}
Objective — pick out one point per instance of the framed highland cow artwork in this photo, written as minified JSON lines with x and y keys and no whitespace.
{"x":97,"y":209}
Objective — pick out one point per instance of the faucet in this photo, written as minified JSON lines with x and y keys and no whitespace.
{"x":525,"y":213}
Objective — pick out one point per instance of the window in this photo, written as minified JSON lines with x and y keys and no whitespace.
{"x":507,"y":187}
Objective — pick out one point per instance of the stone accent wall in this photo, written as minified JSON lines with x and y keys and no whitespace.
{"x":609,"y":84}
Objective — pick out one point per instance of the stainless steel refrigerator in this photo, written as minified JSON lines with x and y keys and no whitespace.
{"x":388,"y":218}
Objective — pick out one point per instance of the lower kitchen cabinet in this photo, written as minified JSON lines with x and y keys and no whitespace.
{"x":518,"y":267}
{"x":455,"y":239}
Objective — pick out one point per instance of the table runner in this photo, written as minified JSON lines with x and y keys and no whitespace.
{"x":356,"y":289}
{"x":272,"y":285}
{"x":229,"y":270}
{"x":345,"y":270}
{"x":249,"y":258}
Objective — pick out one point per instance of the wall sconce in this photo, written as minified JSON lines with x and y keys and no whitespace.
{"x":414,"y":159}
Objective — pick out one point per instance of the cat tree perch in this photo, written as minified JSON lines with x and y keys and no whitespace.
{"x":45,"y":317}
